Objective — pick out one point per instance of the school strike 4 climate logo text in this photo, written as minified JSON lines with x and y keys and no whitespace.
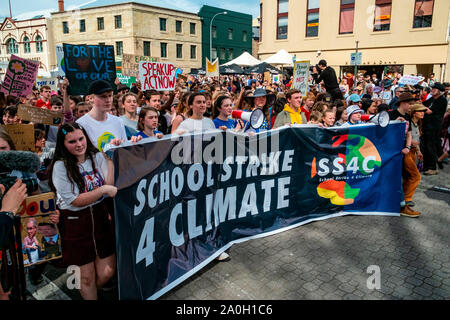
{"x":336,"y":173}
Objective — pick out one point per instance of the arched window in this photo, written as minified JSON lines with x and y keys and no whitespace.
{"x":26,"y":45}
{"x":38,"y":43}
{"x":11,"y":46}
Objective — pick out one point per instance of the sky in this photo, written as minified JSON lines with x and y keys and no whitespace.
{"x":25,"y":9}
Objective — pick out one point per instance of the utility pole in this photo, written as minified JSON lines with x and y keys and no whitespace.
{"x":356,"y":65}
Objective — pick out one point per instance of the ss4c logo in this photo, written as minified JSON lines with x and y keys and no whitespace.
{"x":356,"y":158}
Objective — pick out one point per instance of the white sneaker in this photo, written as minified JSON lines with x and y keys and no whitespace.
{"x":223,"y":257}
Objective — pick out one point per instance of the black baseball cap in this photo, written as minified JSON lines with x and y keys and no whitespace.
{"x":99,"y":87}
{"x":439,"y":86}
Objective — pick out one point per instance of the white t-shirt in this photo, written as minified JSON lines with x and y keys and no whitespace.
{"x":102,"y":132}
{"x":65,"y":195}
{"x":191,"y":125}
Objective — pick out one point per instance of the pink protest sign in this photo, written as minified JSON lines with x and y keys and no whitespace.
{"x":159,"y":76}
{"x":20,"y":76}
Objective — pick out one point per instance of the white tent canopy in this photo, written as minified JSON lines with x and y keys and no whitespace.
{"x":244,"y":60}
{"x":282,"y":57}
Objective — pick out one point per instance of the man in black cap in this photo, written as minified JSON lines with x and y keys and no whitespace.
{"x":431,"y":127}
{"x":103,"y":128}
{"x":328,"y":76}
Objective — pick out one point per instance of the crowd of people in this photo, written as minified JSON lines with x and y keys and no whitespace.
{"x":74,"y":166}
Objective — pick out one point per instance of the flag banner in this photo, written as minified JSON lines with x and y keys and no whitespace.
{"x":212,"y":68}
{"x":183,"y":200}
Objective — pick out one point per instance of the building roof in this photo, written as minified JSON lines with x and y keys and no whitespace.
{"x":164,"y":4}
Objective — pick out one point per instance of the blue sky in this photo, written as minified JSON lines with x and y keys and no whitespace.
{"x":23,"y":8}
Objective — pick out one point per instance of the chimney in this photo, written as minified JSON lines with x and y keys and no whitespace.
{"x":61,"y":5}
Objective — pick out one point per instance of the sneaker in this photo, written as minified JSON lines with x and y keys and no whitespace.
{"x":223,"y":257}
{"x":408,"y":212}
{"x":410,"y":204}
{"x":430,"y":172}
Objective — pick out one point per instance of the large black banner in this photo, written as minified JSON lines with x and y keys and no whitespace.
{"x":183,"y":200}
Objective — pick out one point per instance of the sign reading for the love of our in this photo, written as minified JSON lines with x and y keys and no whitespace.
{"x":87,"y":63}
{"x":19,"y":77}
{"x":159,"y":76}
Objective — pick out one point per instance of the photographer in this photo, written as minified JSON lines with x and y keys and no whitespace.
{"x":11,"y":202}
{"x":328,"y":76}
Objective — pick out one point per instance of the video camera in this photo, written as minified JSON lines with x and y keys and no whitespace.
{"x":23,"y":161}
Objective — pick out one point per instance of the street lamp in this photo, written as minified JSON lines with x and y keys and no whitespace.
{"x":210,"y":33}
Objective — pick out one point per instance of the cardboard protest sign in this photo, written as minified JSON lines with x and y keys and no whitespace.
{"x":157,"y":76}
{"x":41,"y":240}
{"x":51,"y":82}
{"x":40,"y":115}
{"x":130,"y":64}
{"x":301,"y":75}
{"x":20,"y":76}
{"x":60,"y":60}
{"x":22,"y":135}
{"x":267,"y":77}
{"x":87,"y":63}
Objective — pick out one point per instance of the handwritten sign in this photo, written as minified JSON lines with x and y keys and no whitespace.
{"x":301,"y":74}
{"x":410,"y":80}
{"x":41,"y":240}
{"x":60,"y":60}
{"x":51,"y":82}
{"x":267,"y":77}
{"x":157,"y":76}
{"x":20,"y":76}
{"x":40,"y":115}
{"x":130,"y":64}
{"x":87,"y":63}
{"x":22,"y":135}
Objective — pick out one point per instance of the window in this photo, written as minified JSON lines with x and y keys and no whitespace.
{"x":162,"y":24}
{"x":230,"y":53}
{"x":100,"y":23}
{"x":347,"y":16}
{"x":163,"y":50}
{"x":230,"y":34}
{"x":179,"y":51}
{"x":214,"y":32}
{"x":119,"y":48}
{"x":147,"y":48}
{"x":65,"y":27}
{"x":423,"y":13}
{"x":39,"y":43}
{"x":192,"y":28}
{"x":244,"y":36}
{"x":282,"y":19}
{"x":118,"y":22}
{"x":193,"y":52}
{"x":222,"y":54}
{"x":178,"y":25}
{"x":214,"y":54}
{"x":26,"y":45}
{"x":82,"y":25}
{"x":382,"y":15}
{"x":11,"y":46}
{"x":312,"y":18}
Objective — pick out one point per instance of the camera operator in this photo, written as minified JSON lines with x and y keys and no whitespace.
{"x":328,"y":76}
{"x":11,"y":202}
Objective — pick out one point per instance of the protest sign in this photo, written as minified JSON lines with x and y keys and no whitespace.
{"x":267,"y":77}
{"x":22,"y":135}
{"x":19,"y":77}
{"x":301,"y":75}
{"x":276,"y":78}
{"x":51,"y":82}
{"x":125,"y":79}
{"x":60,"y":60}
{"x":40,"y":236}
{"x":410,"y":80}
{"x":40,"y":115}
{"x":157,"y":76}
{"x":130,"y":64}
{"x":182,"y":201}
{"x":212,"y":68}
{"x":87,"y":63}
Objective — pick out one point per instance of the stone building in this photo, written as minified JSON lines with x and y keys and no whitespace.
{"x":134,"y":28}
{"x":30,"y":39}
{"x":410,"y":36}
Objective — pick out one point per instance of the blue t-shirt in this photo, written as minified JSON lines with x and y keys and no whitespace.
{"x":230,"y":123}
{"x":143,"y":135}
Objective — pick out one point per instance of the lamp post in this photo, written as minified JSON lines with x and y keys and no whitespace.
{"x":210,"y":33}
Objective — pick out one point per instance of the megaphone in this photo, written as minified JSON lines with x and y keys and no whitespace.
{"x":381,"y":119}
{"x":255,"y":118}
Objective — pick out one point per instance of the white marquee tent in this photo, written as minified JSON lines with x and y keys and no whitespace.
{"x":244,"y":60}
{"x":282,"y":57}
